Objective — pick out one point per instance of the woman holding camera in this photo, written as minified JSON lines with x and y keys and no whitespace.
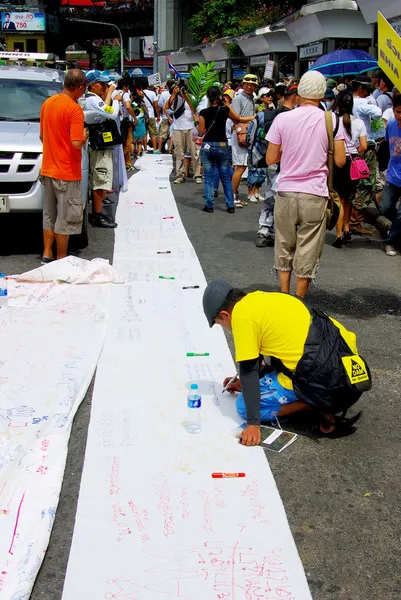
{"x":215,"y":152}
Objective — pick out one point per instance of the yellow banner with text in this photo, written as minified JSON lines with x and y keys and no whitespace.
{"x":389,"y":50}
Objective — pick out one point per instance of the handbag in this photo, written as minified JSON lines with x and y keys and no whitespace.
{"x":104,"y":135}
{"x":333,"y":203}
{"x":241,"y":129}
{"x":359,"y":168}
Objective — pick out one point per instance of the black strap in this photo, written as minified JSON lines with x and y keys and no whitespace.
{"x":388,"y":95}
{"x":337,"y":125}
{"x":147,"y":98}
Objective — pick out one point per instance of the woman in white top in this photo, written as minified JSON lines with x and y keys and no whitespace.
{"x":356,"y":142}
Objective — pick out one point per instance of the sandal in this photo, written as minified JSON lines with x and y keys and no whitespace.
{"x":333,"y":426}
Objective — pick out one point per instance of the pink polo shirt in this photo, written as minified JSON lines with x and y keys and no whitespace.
{"x":302,"y":135}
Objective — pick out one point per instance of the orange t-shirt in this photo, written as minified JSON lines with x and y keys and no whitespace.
{"x":61,"y":121}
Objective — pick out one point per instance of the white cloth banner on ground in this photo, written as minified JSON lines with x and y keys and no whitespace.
{"x":151,"y":522}
{"x":51,"y":337}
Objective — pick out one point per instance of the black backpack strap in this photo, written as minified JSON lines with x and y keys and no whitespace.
{"x":337,"y":125}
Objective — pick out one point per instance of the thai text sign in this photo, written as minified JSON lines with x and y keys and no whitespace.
{"x":389,"y":50}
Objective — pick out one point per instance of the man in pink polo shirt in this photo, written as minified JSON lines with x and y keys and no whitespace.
{"x":298,"y":140}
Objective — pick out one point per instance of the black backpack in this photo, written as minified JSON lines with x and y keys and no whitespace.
{"x":328,"y":376}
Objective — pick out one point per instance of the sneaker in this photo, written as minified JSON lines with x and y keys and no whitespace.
{"x":263,"y":241}
{"x":45,"y":260}
{"x":108,"y":202}
{"x":180,"y":180}
{"x":198,"y":180}
{"x":238,"y":204}
{"x":390,"y":251}
{"x":100,"y":220}
{"x":208,"y":209}
{"x":156,"y":152}
{"x":252,"y":199}
{"x":260,"y":197}
{"x":231,"y":210}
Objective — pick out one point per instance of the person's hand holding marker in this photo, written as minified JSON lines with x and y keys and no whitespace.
{"x":232,"y":385}
{"x":251,"y":436}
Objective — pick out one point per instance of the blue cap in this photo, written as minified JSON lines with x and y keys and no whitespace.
{"x":194,"y":386}
{"x":96,"y":75}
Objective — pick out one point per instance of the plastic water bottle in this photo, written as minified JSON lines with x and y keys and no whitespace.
{"x":194,"y":410}
{"x":3,"y":294}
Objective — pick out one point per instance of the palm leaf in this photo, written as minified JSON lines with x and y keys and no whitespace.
{"x":201,"y":78}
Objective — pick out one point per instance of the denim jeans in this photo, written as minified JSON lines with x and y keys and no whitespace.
{"x":213,"y":154}
{"x":266,"y":219}
{"x":388,"y":208}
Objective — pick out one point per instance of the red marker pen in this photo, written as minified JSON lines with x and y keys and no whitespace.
{"x":164,"y":218}
{"x":224,"y":475}
{"x":138,"y":202}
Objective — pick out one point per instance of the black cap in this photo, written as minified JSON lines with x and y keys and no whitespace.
{"x":364,"y":80}
{"x":214,"y":297}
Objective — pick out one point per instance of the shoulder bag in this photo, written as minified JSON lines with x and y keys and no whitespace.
{"x":241,"y":129}
{"x":359,"y":168}
{"x":104,"y":135}
{"x":333,"y":204}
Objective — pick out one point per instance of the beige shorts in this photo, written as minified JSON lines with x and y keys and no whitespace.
{"x":101,"y":165}
{"x":62,"y":206}
{"x":300,"y":221}
{"x":164,"y":130}
{"x":152,"y":129}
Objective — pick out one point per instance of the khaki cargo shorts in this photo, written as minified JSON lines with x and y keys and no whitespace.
{"x":101,"y":166}
{"x":152,"y":129}
{"x":164,"y":129}
{"x":300,"y":221}
{"x":62,"y":206}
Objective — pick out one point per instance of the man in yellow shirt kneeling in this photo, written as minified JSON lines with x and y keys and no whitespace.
{"x":316,"y":365}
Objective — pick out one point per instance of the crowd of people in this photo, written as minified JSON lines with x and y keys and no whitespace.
{"x":275,"y":135}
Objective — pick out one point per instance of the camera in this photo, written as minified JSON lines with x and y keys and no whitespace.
{"x":181,"y":84}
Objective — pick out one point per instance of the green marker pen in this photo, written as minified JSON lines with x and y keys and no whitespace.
{"x":196,"y":354}
{"x":162,"y":188}
{"x":162,"y":277}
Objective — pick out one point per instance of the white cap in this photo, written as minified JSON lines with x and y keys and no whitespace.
{"x":312,"y":86}
{"x":264,"y":91}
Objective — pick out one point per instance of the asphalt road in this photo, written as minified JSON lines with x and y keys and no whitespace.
{"x":342,"y":497}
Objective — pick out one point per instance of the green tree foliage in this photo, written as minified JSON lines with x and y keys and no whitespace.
{"x":215,"y":19}
{"x":201,"y":78}
{"x":110,"y":57}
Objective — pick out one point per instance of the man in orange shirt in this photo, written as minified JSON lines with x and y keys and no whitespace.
{"x":63,"y":135}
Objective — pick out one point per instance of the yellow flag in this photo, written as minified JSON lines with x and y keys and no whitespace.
{"x":389,"y":50}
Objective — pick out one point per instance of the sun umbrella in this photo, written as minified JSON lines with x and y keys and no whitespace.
{"x":344,"y":62}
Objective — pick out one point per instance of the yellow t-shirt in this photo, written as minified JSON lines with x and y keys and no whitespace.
{"x":275,"y":324}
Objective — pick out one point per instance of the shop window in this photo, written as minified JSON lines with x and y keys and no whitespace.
{"x":19,"y":46}
{"x":32,"y":45}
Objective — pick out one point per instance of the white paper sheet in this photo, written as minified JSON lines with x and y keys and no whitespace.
{"x":151,"y":522}
{"x":51,"y":337}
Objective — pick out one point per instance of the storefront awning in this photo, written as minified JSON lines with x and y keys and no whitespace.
{"x":388,"y":8}
{"x":215,"y":51}
{"x":263,"y":41}
{"x":178,"y":58}
{"x":330,"y":23}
